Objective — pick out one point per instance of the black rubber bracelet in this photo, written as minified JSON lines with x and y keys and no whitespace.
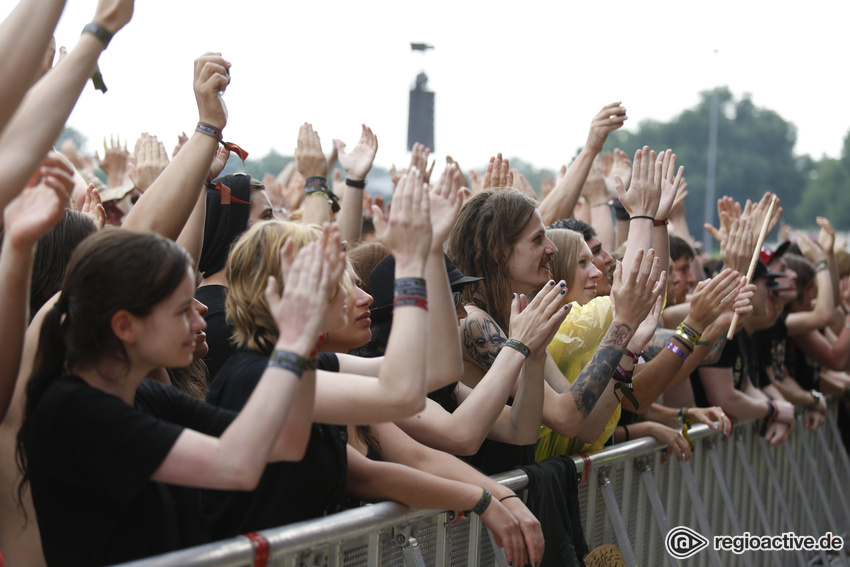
{"x":503,"y":498}
{"x":361,"y":184}
{"x":642,"y":217}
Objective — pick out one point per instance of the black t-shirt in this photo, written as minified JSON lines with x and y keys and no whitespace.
{"x":218,"y":331}
{"x":287,"y":492}
{"x":90,"y":459}
{"x":804,"y":370}
{"x":770,"y":345}
{"x":741,"y":355}
{"x":493,"y":457}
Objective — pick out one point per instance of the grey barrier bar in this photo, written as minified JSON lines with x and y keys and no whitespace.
{"x":754,"y":490}
{"x":498,"y":553}
{"x":412,"y":554}
{"x":720,"y":480}
{"x":783,"y":504}
{"x":822,"y":493}
{"x":699,"y":508}
{"x":616,"y":519}
{"x":833,"y":470}
{"x":655,"y":501}
{"x":792,"y":462}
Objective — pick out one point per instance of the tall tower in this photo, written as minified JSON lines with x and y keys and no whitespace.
{"x":420,"y":124}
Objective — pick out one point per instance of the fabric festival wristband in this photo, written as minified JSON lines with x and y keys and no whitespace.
{"x":357,"y":184}
{"x":316,"y":182}
{"x":99,"y":32}
{"x":635,"y":357}
{"x":623,"y":375}
{"x":677,"y":351}
{"x":519,"y":347}
{"x":484,"y":503}
{"x":411,"y":301}
{"x":663,"y":222}
{"x":289,"y":361}
{"x":209,"y":130}
{"x":691,"y":333}
{"x":404,"y":282}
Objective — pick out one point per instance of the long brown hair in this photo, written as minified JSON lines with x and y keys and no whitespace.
{"x":481,"y":244}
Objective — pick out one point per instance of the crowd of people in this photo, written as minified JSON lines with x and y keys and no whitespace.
{"x":190,"y":356}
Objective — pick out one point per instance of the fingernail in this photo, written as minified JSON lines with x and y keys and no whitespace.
{"x":563,"y":284}
{"x":563,"y":292}
{"x":567,"y":307}
{"x":514,"y":296}
{"x":551,"y":282}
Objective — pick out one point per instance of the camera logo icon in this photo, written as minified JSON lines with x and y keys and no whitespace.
{"x":683,"y":542}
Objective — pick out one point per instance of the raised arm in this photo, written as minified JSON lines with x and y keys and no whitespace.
{"x":25,"y":35}
{"x":167,"y":205}
{"x":357,"y":165}
{"x":313,"y":166}
{"x":27,"y":218}
{"x":562,"y":200}
{"x":802,"y":322}
{"x":39,"y":119}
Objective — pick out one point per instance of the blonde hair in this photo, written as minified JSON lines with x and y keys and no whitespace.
{"x":255,"y":257}
{"x":565,"y":263}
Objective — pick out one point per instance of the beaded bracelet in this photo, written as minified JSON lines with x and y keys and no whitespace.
{"x":519,"y":347}
{"x":677,"y":351}
{"x":289,"y":361}
{"x":484,"y":503}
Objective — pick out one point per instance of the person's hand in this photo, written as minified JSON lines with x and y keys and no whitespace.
{"x":506,"y":531}
{"x":358,"y":162}
{"x":419,"y":159}
{"x":519,"y":182}
{"x":462,"y":177}
{"x":635,"y":293}
{"x":212,"y":76}
{"x":498,"y":173}
{"x":69,"y":150}
{"x":294,"y":191}
{"x":36,"y":209}
{"x":622,"y":167}
{"x":309,"y":278}
{"x":756,"y":213}
{"x":93,"y":207}
{"x":151,"y":161}
{"x":642,"y":196}
{"x":711,"y":298}
{"x":530,"y":526}
{"x":728,"y":210}
{"x":114,"y":162}
{"x":677,"y":211}
{"x":671,"y":181}
{"x":611,"y":117}
{"x":826,"y":237}
{"x":595,"y":188}
{"x":785,"y":231}
{"x":812,"y":251}
{"x":181,"y":141}
{"x":712,"y":417}
{"x":309,"y":157}
{"x":737,"y":244}
{"x":646,"y":328}
{"x":673,"y":438}
{"x":784,"y":411}
{"x":778,"y":433}
{"x":406,"y":231}
{"x":219,"y":162}
{"x":113,"y":14}
{"x":813,"y":419}
{"x":445,"y":202}
{"x":535,"y":323}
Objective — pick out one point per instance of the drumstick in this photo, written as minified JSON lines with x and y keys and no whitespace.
{"x":754,"y":261}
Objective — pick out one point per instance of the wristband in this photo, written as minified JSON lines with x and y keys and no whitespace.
{"x":684,"y":342}
{"x":519,"y":347}
{"x":623,"y":375}
{"x":410,"y":301}
{"x":771,"y":411}
{"x":316,"y":182}
{"x":357,"y":184}
{"x":820,"y":263}
{"x":663,"y":222}
{"x":209,"y":130}
{"x":406,"y":282}
{"x":635,"y":357}
{"x":322,"y":190}
{"x":642,"y":217}
{"x":289,"y":361}
{"x":677,"y":351}
{"x":626,"y":429}
{"x":692,"y":334}
{"x":503,"y":498}
{"x":99,"y":32}
{"x":484,"y":503}
{"x":817,"y":396}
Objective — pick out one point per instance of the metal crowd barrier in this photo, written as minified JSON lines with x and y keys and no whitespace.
{"x":631,"y":495}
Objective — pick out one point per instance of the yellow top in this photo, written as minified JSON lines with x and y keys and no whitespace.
{"x":572,"y":348}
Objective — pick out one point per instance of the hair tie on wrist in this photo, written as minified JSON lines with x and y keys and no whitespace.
{"x":519,"y":347}
{"x":503,"y":498}
{"x":642,"y":217}
{"x":356,"y":183}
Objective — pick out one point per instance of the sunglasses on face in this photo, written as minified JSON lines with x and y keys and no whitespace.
{"x":457,"y":297}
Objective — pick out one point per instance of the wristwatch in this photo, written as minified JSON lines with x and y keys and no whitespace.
{"x":818,"y":397}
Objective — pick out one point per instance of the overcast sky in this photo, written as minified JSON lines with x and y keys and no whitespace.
{"x":523,"y":81}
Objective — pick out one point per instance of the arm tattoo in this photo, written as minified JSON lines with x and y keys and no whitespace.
{"x":482,"y":339}
{"x":716,"y":350}
{"x":658,"y":342}
{"x":589,"y":385}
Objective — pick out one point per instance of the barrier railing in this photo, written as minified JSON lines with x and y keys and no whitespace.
{"x":631,"y":495}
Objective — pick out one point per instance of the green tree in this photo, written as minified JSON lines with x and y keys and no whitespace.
{"x":754,"y":151}
{"x":826,"y":191}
